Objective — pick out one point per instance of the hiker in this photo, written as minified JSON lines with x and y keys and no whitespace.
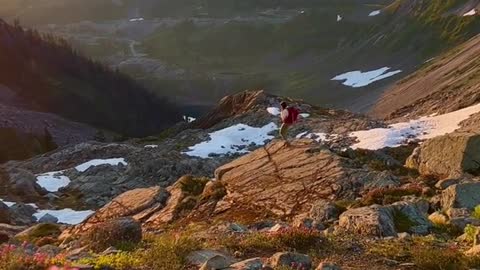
{"x":289,"y":116}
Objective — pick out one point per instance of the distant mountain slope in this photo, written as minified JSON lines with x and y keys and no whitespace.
{"x":45,"y":74}
{"x":447,"y":83}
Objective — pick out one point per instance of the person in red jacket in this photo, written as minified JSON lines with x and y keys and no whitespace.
{"x":289,"y":116}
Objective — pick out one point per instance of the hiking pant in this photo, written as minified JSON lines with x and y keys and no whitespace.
{"x":284,"y":131}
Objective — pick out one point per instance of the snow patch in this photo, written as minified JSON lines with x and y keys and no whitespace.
{"x":189,"y":119}
{"x":305,"y":115}
{"x":136,"y":19}
{"x":426,"y":127}
{"x":7,"y":203}
{"x":53,"y":181}
{"x":151,"y":146}
{"x":234,"y":139}
{"x":339,"y":18}
{"x":96,"y":162}
{"x":374,"y":13}
{"x":358,"y":78}
{"x":273,"y":111}
{"x":470,"y":13}
{"x":66,"y":216}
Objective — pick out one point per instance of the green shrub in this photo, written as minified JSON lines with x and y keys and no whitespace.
{"x":471,"y":233}
{"x":434,"y":258}
{"x":193,"y":186}
{"x":292,"y":239}
{"x":169,"y":252}
{"x":40,"y":231}
{"x":119,"y":261}
{"x":476,"y":212}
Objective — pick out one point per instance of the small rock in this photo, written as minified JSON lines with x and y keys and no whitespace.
{"x":278,"y":227}
{"x":404,"y":235}
{"x":234,"y":227}
{"x":250,"y":264}
{"x":200,"y":257}
{"x":290,"y":259}
{"x":328,"y":266}
{"x":438,"y":218}
{"x":216,"y":262}
{"x":47,"y":218}
{"x":391,"y":262}
{"x":474,"y":251}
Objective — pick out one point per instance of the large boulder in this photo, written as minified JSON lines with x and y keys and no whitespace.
{"x":372,"y":220}
{"x":114,"y":232}
{"x":448,"y":156}
{"x":375,"y":220}
{"x":22,"y":214}
{"x":288,"y":180}
{"x":466,"y":195}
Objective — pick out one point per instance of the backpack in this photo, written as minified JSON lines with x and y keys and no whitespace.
{"x":292,"y":115}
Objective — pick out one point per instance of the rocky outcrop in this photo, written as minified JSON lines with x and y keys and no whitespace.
{"x":290,"y":259}
{"x":288,"y":180}
{"x":448,"y":156}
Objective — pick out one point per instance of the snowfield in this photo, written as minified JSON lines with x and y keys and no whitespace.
{"x":66,"y":216}
{"x":234,"y":139}
{"x":358,"y":78}
{"x":53,"y":181}
{"x":423,"y":128}
{"x":97,"y":162}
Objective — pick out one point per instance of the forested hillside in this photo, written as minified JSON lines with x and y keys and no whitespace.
{"x":47,"y":75}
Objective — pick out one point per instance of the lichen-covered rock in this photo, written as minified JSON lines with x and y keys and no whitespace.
{"x":465,"y":195}
{"x":450,"y":155}
{"x":22,"y":214}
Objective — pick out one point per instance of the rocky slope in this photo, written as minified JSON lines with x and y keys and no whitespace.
{"x":447,"y":83}
{"x":224,"y":193}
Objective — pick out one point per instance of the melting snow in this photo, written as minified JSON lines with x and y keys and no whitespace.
{"x":470,"y":13}
{"x":53,"y":181}
{"x":136,"y":19}
{"x":374,"y":13}
{"x":360,"y":79}
{"x":339,"y":18}
{"x":273,"y":111}
{"x":234,"y":139}
{"x":96,"y":162}
{"x":66,"y":216}
{"x":305,"y":115}
{"x":424,"y":128}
